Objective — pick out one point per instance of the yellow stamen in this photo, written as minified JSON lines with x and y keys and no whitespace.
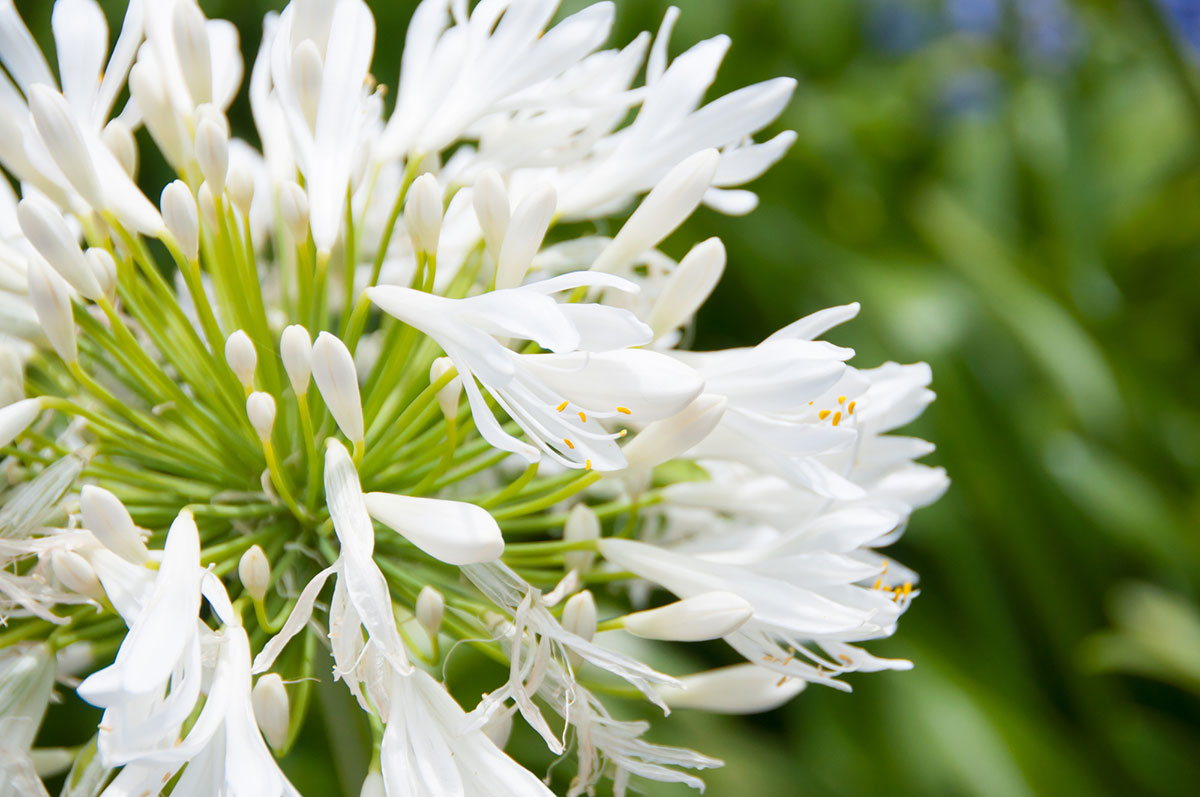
{"x":583,"y":416}
{"x":783,"y":680}
{"x":878,"y":583}
{"x":562,"y":406}
{"x":823,"y":414}
{"x":569,"y":443}
{"x":841,"y":399}
{"x":624,"y":432}
{"x":837,"y":418}
{"x":624,"y":411}
{"x":587,"y":465}
{"x":850,"y":409}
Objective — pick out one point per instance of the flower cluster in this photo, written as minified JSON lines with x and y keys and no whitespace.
{"x":506,"y":447}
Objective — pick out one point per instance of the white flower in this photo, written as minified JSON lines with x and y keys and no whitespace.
{"x":557,"y":399}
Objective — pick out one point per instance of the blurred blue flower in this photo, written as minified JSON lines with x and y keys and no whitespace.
{"x":1185,"y":16}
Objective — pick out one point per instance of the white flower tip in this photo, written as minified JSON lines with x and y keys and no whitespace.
{"x":582,"y":524}
{"x":255,"y":572}
{"x":293,"y":208}
{"x":423,"y":213}
{"x":109,"y":521}
{"x":490,"y":199}
{"x":710,"y":615}
{"x":241,"y":357}
{"x":76,"y":574}
{"x":181,"y":217}
{"x":104,"y":269}
{"x":337,"y":378}
{"x":373,"y":785}
{"x":579,"y":615}
{"x":45,"y":228}
{"x":270,"y":702}
{"x":430,"y":609}
{"x":56,"y":126}
{"x":260,"y":408}
{"x":193,"y":51}
{"x":118,"y":139}
{"x":449,"y":395}
{"x":295,"y":348}
{"x":525,"y":235}
{"x":688,"y":286}
{"x":240,"y":185}
{"x":17,"y":417}
{"x":671,"y":437}
{"x":455,"y":532}
{"x":739,"y":689}
{"x":51,"y":299}
{"x":212,"y":154}
{"x":207,"y":203}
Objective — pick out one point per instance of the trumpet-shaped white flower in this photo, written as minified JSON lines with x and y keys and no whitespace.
{"x":557,"y":399}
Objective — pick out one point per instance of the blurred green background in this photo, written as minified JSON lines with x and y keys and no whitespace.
{"x":1012,"y":190}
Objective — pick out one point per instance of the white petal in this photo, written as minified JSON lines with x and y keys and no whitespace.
{"x":457,"y":533}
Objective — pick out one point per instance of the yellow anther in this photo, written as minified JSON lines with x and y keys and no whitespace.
{"x":845,"y":659}
{"x":837,"y":418}
{"x":623,"y":432}
{"x":850,"y":409}
{"x":562,"y":406}
{"x":587,"y":465}
{"x":823,"y":414}
{"x":583,"y":416}
{"x":569,"y":443}
{"x":624,"y":411}
{"x":878,"y":583}
{"x":841,"y":399}
{"x":810,"y":403}
{"x":885,"y":566}
{"x":783,"y":680}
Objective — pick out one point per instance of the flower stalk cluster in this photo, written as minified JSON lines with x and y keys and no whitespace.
{"x":343,"y":403}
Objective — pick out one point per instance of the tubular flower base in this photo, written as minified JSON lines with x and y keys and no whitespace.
{"x":332,"y":408}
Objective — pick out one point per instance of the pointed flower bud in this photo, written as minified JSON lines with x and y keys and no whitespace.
{"x":255,"y":572}
{"x":207,"y":203}
{"x":337,"y":379}
{"x":51,"y":300}
{"x":193,"y":50}
{"x":373,"y":783}
{"x":293,"y":208}
{"x":270,"y":701}
{"x":47,"y":231}
{"x":662,"y":211}
{"x":260,"y":408}
{"x":295,"y":347}
{"x":308,"y":73}
{"x":57,"y":128}
{"x":529,"y":225}
{"x":579,"y":615}
{"x":118,"y":139}
{"x":240,"y":186}
{"x":710,"y":615}
{"x":582,"y":524}
{"x":104,"y":269}
{"x":212,"y":154}
{"x":77,"y":574}
{"x":688,"y":286}
{"x":455,"y":532}
{"x":671,"y":437}
{"x":16,"y":418}
{"x":738,"y":689}
{"x":242,"y":358}
{"x":448,"y":396}
{"x":109,"y":521}
{"x":423,"y":213}
{"x":491,"y":208}
{"x":181,"y":217}
{"x":430,"y":609}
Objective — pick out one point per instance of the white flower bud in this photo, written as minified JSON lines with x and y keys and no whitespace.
{"x":51,"y":300}
{"x":582,"y":524}
{"x":662,"y":211}
{"x":270,"y":701}
{"x":710,"y":615}
{"x":118,"y":139}
{"x":529,"y":225}
{"x":255,"y":572}
{"x":49,"y":234}
{"x":423,"y":213}
{"x":16,"y":418}
{"x":688,"y":286}
{"x":242,"y":358}
{"x":308,"y":72}
{"x":448,"y":396}
{"x":212,"y":154}
{"x":295,"y":347}
{"x":76,"y":574}
{"x":104,"y":269}
{"x":373,"y":785}
{"x":181,"y":217}
{"x":337,"y":379}
{"x":579,"y":615}
{"x":260,"y":408}
{"x":430,"y":609}
{"x":57,"y":128}
{"x":207,"y":203}
{"x":293,"y":208}
{"x":108,"y":520}
{"x":738,"y":689}
{"x":671,"y":437}
{"x":455,"y":532}
{"x":491,"y":208}
{"x":193,"y":50}
{"x":240,"y":186}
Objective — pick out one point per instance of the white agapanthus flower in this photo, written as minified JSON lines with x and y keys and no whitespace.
{"x":373,"y":353}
